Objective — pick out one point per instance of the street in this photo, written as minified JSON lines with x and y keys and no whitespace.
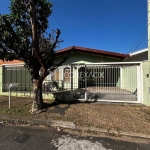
{"x":40,"y":138}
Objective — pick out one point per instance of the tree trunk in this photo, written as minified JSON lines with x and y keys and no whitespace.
{"x":37,"y":96}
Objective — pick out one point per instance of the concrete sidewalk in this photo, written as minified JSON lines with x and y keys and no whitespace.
{"x":4,"y":119}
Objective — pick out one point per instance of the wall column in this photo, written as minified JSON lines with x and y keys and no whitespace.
{"x":148,"y":5}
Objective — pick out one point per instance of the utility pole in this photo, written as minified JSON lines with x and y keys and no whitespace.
{"x":148,"y":5}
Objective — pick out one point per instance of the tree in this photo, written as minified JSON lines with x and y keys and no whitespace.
{"x":23,"y":36}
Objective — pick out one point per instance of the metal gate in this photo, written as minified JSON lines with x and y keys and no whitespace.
{"x":117,"y":82}
{"x":112,"y":82}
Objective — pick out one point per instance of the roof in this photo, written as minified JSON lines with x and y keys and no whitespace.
{"x":92,"y":51}
{"x":11,"y":62}
{"x":76,"y":49}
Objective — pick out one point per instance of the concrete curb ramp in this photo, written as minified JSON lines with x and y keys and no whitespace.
{"x":66,"y":124}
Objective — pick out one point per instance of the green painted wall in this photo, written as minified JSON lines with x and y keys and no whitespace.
{"x":146,"y":82}
{"x":76,"y":57}
{"x":129,"y":78}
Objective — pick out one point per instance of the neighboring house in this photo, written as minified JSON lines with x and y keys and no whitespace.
{"x":14,"y":62}
{"x":89,"y":74}
{"x":140,"y":55}
{"x":14,"y":72}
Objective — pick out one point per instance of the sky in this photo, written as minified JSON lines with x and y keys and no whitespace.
{"x":110,"y":25}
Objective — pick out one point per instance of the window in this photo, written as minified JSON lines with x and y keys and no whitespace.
{"x":67,"y":74}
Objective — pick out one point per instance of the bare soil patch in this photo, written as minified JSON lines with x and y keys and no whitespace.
{"x":118,"y":117}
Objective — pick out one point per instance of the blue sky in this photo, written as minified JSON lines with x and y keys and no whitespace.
{"x":111,"y":25}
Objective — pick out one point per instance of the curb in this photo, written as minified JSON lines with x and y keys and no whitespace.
{"x":54,"y":123}
{"x":67,"y":124}
{"x":113,"y":132}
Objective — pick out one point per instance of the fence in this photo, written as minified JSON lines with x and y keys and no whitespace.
{"x":114,"y":82}
{"x":108,"y":82}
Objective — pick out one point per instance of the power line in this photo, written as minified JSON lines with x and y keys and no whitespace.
{"x":139,"y":41}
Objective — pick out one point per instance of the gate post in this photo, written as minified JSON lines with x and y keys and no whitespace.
{"x":85,"y":96}
{"x":139,"y":85}
{"x":71,"y":76}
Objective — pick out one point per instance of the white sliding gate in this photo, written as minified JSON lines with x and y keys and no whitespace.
{"x":114,"y":82}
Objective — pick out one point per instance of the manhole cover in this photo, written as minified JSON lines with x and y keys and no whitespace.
{"x":22,"y":138}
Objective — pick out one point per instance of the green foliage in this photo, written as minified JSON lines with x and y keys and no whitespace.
{"x":21,"y":11}
{"x":23,"y":36}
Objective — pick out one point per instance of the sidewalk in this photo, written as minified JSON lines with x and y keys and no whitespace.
{"x":64,"y":124}
{"x":127,"y":120}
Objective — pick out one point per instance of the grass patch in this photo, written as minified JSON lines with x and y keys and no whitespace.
{"x":20,"y":110}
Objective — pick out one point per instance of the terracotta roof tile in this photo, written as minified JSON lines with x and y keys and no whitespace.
{"x":11,"y":62}
{"x":92,"y":51}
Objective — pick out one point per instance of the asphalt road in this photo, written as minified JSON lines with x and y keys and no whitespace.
{"x":36,"y":138}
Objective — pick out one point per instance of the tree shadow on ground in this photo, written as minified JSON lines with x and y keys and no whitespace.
{"x":59,"y":108}
{"x":63,"y":100}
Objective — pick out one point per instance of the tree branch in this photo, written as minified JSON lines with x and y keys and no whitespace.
{"x":56,"y":40}
{"x":7,"y":23}
{"x":35,"y":34}
{"x":62,"y":61}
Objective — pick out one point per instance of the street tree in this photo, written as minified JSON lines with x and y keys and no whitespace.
{"x":23,"y":36}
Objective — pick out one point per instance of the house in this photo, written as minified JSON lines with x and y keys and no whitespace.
{"x":81,"y":55}
{"x":102,"y":74}
{"x":88,"y":74}
{"x":14,"y":72}
{"x":139,"y":55}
